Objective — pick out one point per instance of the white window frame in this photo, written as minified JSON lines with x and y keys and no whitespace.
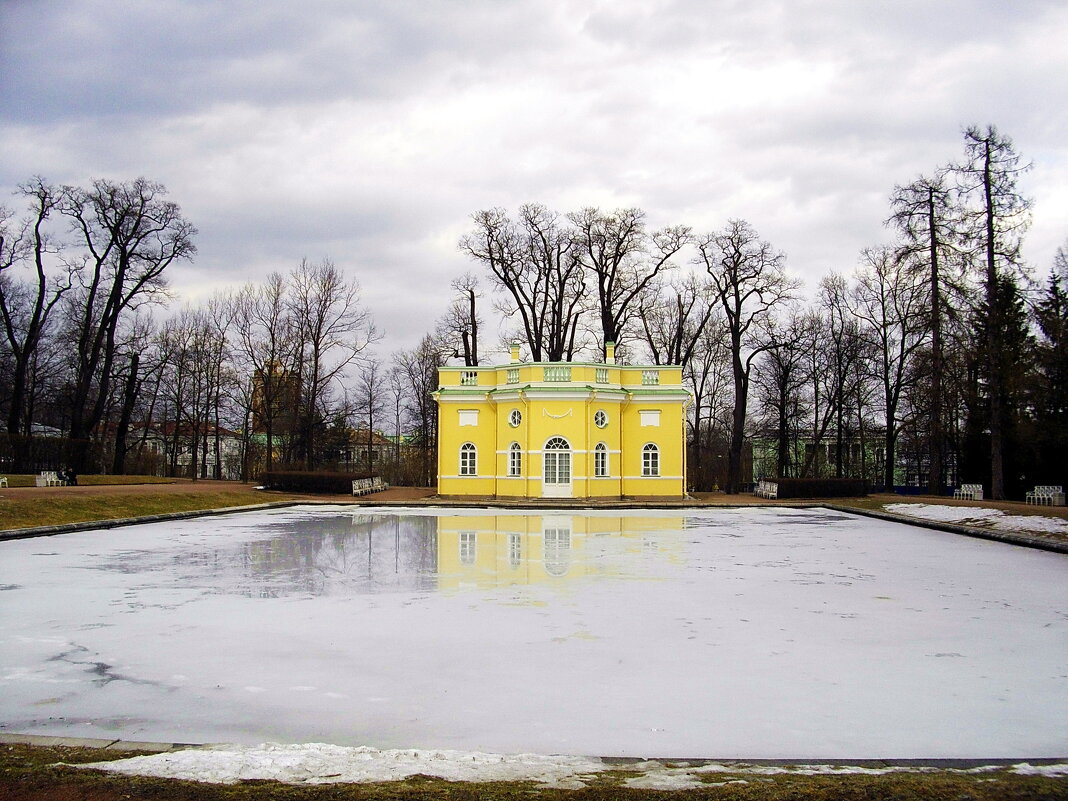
{"x":600,"y":461}
{"x":515,"y":418}
{"x":600,"y":418}
{"x":650,"y":460}
{"x":515,"y":460}
{"x":561,"y":468}
{"x":468,"y":459}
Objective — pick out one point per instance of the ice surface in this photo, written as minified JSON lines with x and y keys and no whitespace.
{"x":733,"y":633}
{"x":980,"y":516}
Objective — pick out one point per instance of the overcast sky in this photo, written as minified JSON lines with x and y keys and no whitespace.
{"x":369,"y":132}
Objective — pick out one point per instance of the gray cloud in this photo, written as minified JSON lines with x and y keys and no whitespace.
{"x":368,"y":133}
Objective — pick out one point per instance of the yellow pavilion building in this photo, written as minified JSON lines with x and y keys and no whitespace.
{"x":562,"y":430}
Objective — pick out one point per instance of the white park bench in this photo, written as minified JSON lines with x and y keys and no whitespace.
{"x":365,"y":486}
{"x":1046,"y":495}
{"x":50,"y":478}
{"x":969,"y":492}
{"x":767,"y":489}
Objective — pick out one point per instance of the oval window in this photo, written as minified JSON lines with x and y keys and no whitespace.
{"x":515,"y":418}
{"x":600,"y":419}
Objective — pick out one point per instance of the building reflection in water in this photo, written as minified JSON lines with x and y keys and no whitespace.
{"x":376,"y":552}
{"x":499,"y":550}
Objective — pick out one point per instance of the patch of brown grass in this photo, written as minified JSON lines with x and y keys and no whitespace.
{"x":30,"y":773}
{"x":27,"y":480}
{"x":57,"y":510}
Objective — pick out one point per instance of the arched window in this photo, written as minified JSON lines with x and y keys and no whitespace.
{"x":600,"y":460}
{"x":515,"y":460}
{"x":650,"y":460}
{"x":468,"y":460}
{"x":556,"y":461}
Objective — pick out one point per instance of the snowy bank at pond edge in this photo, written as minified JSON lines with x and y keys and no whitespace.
{"x":977,"y":516}
{"x":319,"y":763}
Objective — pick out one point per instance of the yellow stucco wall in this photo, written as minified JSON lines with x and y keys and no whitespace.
{"x":641,"y":405}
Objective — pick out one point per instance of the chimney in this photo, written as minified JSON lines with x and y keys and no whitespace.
{"x":515,"y":352}
{"x":609,"y":352}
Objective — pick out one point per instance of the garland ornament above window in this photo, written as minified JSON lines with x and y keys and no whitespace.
{"x":557,"y":416}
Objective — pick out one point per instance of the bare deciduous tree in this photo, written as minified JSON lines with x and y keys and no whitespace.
{"x":418,"y":369}
{"x":750,"y":284}
{"x":926,"y":215}
{"x":131,"y":234}
{"x":673,"y":317}
{"x":622,"y":257}
{"x":370,"y":401}
{"x":26,"y":306}
{"x":890,"y":298}
{"x":459,"y":326}
{"x":709,"y":375}
{"x":264,"y":341}
{"x":331,"y":330}
{"x":534,"y":261}
{"x":779,"y":383}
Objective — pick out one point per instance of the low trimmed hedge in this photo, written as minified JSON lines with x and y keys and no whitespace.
{"x":821,"y":487}
{"x":332,"y":483}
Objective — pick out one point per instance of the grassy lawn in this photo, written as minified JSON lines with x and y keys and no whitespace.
{"x":27,"y":480}
{"x":32,"y":774}
{"x":29,"y":512}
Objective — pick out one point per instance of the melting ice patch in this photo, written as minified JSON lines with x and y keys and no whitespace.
{"x":318,"y":763}
{"x":978,"y":516}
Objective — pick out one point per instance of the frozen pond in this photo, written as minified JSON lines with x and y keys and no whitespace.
{"x":691,"y":633}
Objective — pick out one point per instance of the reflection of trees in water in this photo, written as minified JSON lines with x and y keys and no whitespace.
{"x":318,"y":556}
{"x":358,"y":553}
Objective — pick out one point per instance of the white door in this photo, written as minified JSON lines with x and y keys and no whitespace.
{"x":556,"y":469}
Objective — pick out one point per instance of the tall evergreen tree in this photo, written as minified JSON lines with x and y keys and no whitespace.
{"x":996,"y":217}
{"x":1051,"y":377}
{"x":1000,"y":388}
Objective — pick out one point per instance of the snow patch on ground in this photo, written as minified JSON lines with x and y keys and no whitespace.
{"x":976,"y":516}
{"x":319,"y":763}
